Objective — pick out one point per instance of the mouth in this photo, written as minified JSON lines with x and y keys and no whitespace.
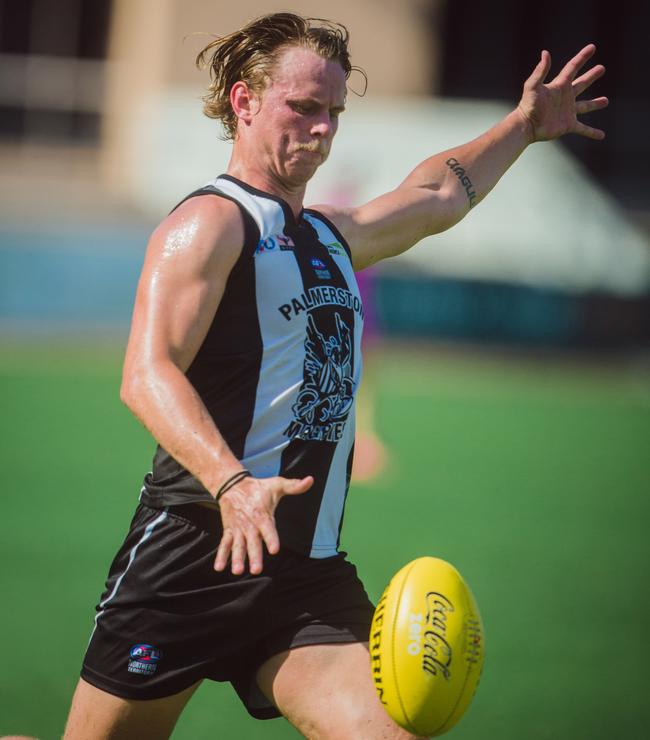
{"x":314,"y":148}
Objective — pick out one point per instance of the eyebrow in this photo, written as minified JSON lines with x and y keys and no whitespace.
{"x":314,"y":101}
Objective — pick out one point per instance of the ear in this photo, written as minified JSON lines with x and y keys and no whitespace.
{"x":244,"y":102}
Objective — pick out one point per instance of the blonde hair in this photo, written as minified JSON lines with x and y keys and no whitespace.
{"x":251,"y":53}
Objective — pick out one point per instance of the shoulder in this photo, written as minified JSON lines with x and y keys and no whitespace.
{"x":339,"y":220}
{"x":204,"y":229}
{"x":346,"y":224}
{"x":205,"y":215}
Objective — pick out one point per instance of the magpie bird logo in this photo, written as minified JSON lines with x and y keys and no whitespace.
{"x":328,"y":388}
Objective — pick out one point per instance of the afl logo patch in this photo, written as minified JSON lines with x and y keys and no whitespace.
{"x":143,"y":659}
{"x":320,"y":268}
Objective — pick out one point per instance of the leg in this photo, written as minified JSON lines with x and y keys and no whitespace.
{"x":326,"y":692}
{"x":99,"y":715}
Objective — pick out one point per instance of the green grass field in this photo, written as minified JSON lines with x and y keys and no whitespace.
{"x":532,"y":477}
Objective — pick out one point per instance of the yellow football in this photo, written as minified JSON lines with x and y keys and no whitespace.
{"x":426,"y":647}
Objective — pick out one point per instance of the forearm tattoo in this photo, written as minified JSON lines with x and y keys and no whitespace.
{"x":455,"y":166}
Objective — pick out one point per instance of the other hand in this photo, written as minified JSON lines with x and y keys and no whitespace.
{"x":247,"y":515}
{"x":551,"y":109}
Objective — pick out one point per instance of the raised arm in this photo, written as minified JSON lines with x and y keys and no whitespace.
{"x":440,"y":191}
{"x":188,"y":261}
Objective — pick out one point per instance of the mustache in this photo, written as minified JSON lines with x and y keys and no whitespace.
{"x":313,"y":147}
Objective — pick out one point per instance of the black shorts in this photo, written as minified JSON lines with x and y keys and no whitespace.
{"x":167,"y":619}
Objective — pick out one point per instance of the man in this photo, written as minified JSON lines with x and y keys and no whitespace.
{"x":243,"y":360}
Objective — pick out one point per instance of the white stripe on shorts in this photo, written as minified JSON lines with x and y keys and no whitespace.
{"x":147,"y":533}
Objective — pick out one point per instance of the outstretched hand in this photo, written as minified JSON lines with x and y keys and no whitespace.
{"x":247,"y":515}
{"x":551,"y":109}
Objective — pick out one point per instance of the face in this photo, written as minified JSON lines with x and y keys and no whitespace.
{"x":296,"y":116}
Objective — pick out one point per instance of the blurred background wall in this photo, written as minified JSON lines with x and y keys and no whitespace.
{"x":101,"y":133}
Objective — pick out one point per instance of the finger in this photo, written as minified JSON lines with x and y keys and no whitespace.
{"x":255,"y":553}
{"x":589,"y":132}
{"x":270,"y":536}
{"x":223,"y":551}
{"x":573,"y":66}
{"x":586,"y":106}
{"x":589,"y":77}
{"x":238,"y":554}
{"x":293,"y":486}
{"x":583,"y":82}
{"x":541,"y":70}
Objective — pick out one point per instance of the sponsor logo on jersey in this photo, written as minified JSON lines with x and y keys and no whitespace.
{"x":277,"y":242}
{"x":327,"y":392}
{"x":335,"y":249}
{"x":320,"y":268}
{"x":143,"y":659}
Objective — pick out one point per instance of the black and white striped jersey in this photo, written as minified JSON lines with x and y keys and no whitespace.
{"x":279,"y":367}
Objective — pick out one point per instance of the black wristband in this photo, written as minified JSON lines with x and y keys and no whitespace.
{"x":232,"y":481}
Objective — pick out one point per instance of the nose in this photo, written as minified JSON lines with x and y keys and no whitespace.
{"x":322,"y":127}
{"x":321,"y":130}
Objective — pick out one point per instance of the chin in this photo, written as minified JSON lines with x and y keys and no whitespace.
{"x":302,"y":172}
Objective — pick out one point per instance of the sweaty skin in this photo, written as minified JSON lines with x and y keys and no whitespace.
{"x":181,"y":236}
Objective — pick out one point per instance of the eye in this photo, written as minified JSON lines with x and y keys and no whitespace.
{"x":299,"y":108}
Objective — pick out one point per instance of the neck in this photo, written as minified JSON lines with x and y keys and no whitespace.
{"x":268,"y":181}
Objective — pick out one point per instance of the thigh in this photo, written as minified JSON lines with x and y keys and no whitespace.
{"x":313,"y":602}
{"x":327,"y":693}
{"x":99,"y":715}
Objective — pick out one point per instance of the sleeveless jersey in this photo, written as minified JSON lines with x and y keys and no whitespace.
{"x":279,"y":367}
